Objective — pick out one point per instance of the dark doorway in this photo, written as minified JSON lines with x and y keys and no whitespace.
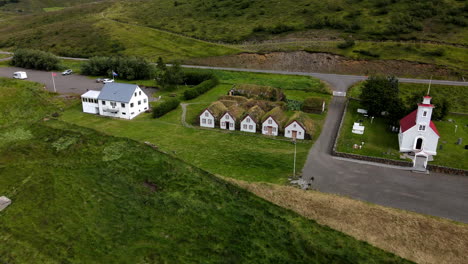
{"x":294,"y":134}
{"x":419,"y":143}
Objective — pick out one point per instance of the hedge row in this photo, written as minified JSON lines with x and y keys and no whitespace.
{"x":129,"y":68}
{"x":312,"y":105}
{"x":165,"y":107}
{"x":201,"y":88}
{"x":35,"y":59}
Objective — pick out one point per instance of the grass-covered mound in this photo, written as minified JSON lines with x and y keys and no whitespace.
{"x":80,"y":196}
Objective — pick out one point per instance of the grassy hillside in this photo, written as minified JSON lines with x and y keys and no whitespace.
{"x":39,"y":5}
{"x":235,"y":20}
{"x":83,"y":197}
{"x":84,"y":31}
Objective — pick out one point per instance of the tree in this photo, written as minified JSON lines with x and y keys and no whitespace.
{"x":168,"y":77}
{"x":380,"y":94}
{"x":441,"y":105}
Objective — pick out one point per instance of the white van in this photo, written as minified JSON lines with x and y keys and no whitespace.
{"x":20,"y":75}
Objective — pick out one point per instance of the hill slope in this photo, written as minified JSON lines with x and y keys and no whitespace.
{"x":84,"y":197}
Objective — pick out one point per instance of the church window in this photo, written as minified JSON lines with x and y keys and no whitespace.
{"x":422,"y":127}
{"x":425,"y":113}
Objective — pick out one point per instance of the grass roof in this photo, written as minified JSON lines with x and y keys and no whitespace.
{"x":238,"y":99}
{"x":258,"y":92}
{"x":217,"y":109}
{"x":236,"y":111}
{"x":278,"y":114}
{"x":255,"y":112}
{"x":304,"y":120}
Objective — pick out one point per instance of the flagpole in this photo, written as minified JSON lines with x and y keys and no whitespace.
{"x":53,"y":81}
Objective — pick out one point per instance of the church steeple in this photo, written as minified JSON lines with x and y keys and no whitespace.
{"x":423,"y":118}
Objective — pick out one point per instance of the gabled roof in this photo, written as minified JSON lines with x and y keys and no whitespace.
{"x":91,"y":94}
{"x":297,"y":122}
{"x":272,"y":118}
{"x":119,"y":92}
{"x":228,"y":113}
{"x":409,"y":121}
{"x":209,"y":111}
{"x":248,"y":115}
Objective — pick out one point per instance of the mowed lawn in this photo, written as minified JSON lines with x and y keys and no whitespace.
{"x":245,"y":156}
{"x":379,"y":141}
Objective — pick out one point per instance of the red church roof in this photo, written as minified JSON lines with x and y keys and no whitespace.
{"x":409,"y":121}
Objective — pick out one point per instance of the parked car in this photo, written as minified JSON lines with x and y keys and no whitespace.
{"x":67,"y":72}
{"x":20,"y":75}
{"x":107,"y":80}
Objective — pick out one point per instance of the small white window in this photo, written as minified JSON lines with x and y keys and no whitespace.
{"x":131,"y":105}
{"x":300,"y":133}
{"x":206,"y":113}
{"x":269,"y":121}
{"x":209,"y":121}
{"x":422,"y":127}
{"x":265,"y":128}
{"x":144,"y":100}
{"x":248,"y":120}
{"x":250,"y":127}
{"x":123,"y":105}
{"x":139,"y":92}
{"x":425,"y":113}
{"x":294,"y":125}
{"x":103,"y":102}
{"x":289,"y":131}
{"x":203,"y":121}
{"x":123,"y":113}
{"x":245,"y":126}
{"x":139,"y":102}
{"x":274,"y":129}
{"x":135,"y":94}
{"x":227,"y":117}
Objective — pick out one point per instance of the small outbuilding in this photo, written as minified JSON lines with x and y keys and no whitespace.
{"x":250,"y":120}
{"x":207,"y":119}
{"x":273,"y":121}
{"x":227,"y":121}
{"x":299,"y":126}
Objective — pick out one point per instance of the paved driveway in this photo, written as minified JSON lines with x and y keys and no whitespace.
{"x":69,"y":84}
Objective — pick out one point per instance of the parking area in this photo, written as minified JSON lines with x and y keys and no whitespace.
{"x":73,"y":84}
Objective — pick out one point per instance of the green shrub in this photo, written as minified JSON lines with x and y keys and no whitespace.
{"x":35,"y":59}
{"x":312,"y":105}
{"x":201,"y":88}
{"x":346,"y":44}
{"x":195,"y":77}
{"x":293,"y":105}
{"x":165,"y":107}
{"x":128,"y":68}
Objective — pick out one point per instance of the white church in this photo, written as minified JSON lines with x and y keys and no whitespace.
{"x":116,"y":100}
{"x":418,"y":134}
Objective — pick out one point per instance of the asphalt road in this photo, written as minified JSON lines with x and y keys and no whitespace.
{"x":434,"y":194}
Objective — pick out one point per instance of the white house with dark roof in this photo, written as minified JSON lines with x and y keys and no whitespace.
{"x":227,"y":121}
{"x":116,"y":100}
{"x":294,"y":130}
{"x":270,"y":127}
{"x":418,"y":134}
{"x":207,"y":119}
{"x":248,"y":124}
{"x":89,"y":101}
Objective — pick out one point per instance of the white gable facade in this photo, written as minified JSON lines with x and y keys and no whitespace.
{"x":207,"y":119}
{"x":124,"y":108}
{"x":227,"y":121}
{"x":294,"y":130}
{"x":89,"y":101}
{"x":417,"y":132}
{"x":270,"y":127}
{"x":248,"y":124}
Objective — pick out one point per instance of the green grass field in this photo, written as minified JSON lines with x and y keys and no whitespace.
{"x":380,"y":142}
{"x":239,"y":155}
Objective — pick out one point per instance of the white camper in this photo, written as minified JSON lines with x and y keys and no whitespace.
{"x":20,"y":75}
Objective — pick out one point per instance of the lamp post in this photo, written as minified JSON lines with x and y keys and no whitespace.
{"x":294,"y":165}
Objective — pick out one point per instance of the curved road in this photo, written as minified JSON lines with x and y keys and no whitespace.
{"x":434,"y":194}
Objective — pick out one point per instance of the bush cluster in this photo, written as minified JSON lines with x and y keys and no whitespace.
{"x":201,"y":88}
{"x":195,"y":78}
{"x":35,"y":59}
{"x":346,"y":44}
{"x":128,"y":68}
{"x":165,"y":107}
{"x":312,"y":105}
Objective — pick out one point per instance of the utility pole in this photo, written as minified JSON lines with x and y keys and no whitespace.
{"x":294,"y":165}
